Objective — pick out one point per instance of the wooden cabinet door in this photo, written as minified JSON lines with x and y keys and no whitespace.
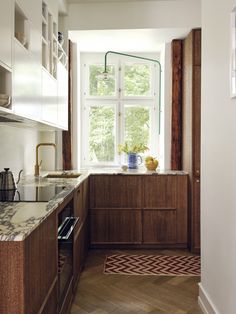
{"x":80,"y":251}
{"x":86,"y":197}
{"x":78,"y":205}
{"x":115,"y":191}
{"x":160,"y":191}
{"x":51,"y":304}
{"x":159,"y":226}
{"x":195,"y":217}
{"x":77,"y":255}
{"x":165,"y":210}
{"x":191,"y":146}
{"x":41,"y":264}
{"x":117,"y":226}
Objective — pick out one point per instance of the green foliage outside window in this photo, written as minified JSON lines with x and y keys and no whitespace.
{"x":101,"y":136}
{"x":97,"y":85}
{"x":137,"y":125}
{"x":137,"y":80}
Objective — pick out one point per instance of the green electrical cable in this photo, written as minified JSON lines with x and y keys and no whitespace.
{"x":143,"y":58}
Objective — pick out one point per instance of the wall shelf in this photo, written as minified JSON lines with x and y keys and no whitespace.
{"x":49,"y":41}
{"x":5,"y":87}
{"x":21,"y":27}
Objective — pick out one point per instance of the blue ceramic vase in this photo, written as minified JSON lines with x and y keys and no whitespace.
{"x":134,"y":160}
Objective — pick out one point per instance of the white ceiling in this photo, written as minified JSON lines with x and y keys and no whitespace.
{"x":133,"y":40}
{"x":97,"y":1}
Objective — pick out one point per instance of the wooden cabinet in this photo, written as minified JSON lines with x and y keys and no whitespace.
{"x":29,"y":271}
{"x":138,"y":210}
{"x":29,"y":34}
{"x":116,"y":226}
{"x":81,"y":235}
{"x":115,"y":191}
{"x":115,"y":209}
{"x":6,"y":29}
{"x":165,"y":210}
{"x":192,"y":129}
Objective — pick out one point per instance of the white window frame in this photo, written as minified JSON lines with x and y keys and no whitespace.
{"x":119,"y":101}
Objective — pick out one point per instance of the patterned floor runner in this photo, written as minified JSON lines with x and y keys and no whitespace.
{"x":161,"y":265}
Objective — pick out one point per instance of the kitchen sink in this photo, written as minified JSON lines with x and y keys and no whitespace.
{"x":63,"y":174}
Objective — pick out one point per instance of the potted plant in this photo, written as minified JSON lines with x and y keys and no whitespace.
{"x":132,"y":153}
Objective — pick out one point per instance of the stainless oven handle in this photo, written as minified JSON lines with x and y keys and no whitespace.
{"x":69,"y":222}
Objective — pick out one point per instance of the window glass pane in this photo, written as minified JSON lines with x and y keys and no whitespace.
{"x":97,"y":85}
{"x":102,"y":133}
{"x":137,"y":125}
{"x":137,"y":80}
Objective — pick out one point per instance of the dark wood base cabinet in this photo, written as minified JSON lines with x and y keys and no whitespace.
{"x":31,"y":280}
{"x":27,"y":285}
{"x":139,"y":211}
{"x":110,"y":225}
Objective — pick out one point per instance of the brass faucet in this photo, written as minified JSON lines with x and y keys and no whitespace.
{"x":36,"y":167}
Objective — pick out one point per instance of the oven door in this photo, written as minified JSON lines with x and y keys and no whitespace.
{"x":65,"y":255}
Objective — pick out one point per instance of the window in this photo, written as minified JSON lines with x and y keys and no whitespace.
{"x":121,"y":109}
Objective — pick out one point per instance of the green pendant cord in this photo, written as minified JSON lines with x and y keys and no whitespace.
{"x":143,"y":58}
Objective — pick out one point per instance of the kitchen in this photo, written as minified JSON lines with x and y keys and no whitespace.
{"x":18,"y":144}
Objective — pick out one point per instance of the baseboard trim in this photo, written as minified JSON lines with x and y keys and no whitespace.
{"x":205,"y":303}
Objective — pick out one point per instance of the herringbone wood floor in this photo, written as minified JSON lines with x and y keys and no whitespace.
{"x":120,"y":294}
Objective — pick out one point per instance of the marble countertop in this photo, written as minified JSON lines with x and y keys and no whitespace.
{"x":19,"y":219}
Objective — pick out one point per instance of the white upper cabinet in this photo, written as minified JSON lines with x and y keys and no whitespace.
{"x":26,"y":90}
{"x":62,"y":96}
{"x":29,"y":62}
{"x":6,"y":29}
{"x":49,"y":97}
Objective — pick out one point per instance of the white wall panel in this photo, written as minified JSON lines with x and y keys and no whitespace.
{"x":218,"y":171}
{"x":139,"y":14}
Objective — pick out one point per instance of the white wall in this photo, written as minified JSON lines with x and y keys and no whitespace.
{"x":136,"y":14}
{"x":17,"y":149}
{"x":218,"y":171}
{"x":140,"y":15}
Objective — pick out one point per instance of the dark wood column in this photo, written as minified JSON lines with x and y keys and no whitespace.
{"x":176,"y":125}
{"x":67,"y":135}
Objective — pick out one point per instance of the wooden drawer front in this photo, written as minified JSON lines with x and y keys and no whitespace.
{"x":159,"y":191}
{"x":114,"y":191}
{"x":159,"y":226}
{"x":115,"y":226}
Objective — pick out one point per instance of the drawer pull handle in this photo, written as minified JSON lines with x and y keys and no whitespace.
{"x":67,"y":227}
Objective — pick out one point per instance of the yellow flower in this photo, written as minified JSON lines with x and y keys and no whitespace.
{"x":125,"y":148}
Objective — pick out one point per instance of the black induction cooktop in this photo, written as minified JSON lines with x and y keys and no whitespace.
{"x":29,"y":193}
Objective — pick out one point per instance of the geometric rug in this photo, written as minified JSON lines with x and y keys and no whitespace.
{"x":160,"y":265}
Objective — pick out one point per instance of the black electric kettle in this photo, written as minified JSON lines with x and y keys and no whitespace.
{"x":7,"y":181}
